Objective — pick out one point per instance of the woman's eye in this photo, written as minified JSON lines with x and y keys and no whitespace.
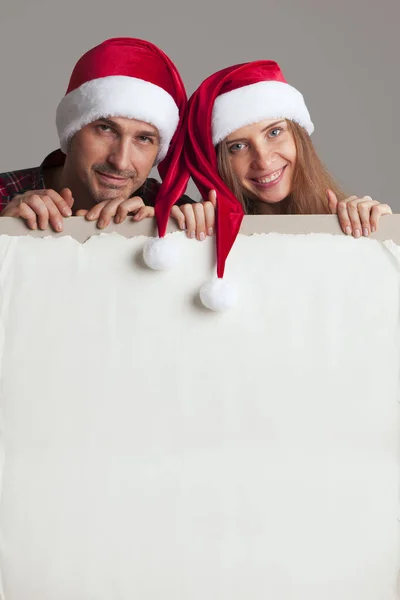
{"x":236,"y":147}
{"x":275,"y":132}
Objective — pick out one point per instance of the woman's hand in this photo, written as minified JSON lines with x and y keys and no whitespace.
{"x":198,"y":219}
{"x":357,"y":216}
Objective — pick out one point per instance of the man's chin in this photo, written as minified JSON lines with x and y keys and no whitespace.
{"x":108,"y":195}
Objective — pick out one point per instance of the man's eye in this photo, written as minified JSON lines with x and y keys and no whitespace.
{"x":104,"y":127}
{"x":146,"y":139}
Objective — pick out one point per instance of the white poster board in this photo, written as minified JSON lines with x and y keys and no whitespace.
{"x":152,"y":449}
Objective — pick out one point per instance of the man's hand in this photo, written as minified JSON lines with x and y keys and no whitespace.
{"x":199,"y":218}
{"x":41,"y":208}
{"x":118,"y":209}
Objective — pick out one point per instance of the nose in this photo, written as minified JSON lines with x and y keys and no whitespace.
{"x":263,"y":156}
{"x":120,"y":155}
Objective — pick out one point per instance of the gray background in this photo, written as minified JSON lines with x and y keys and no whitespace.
{"x":343,"y":56}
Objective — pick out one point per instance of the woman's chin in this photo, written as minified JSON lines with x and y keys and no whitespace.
{"x":271,"y":198}
{"x":270,"y":195}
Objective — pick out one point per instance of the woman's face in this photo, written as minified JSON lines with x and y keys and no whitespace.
{"x":263,"y":157}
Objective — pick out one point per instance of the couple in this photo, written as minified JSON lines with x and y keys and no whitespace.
{"x":244,"y":137}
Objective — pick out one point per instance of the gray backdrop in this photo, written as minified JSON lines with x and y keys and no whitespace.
{"x":343,"y":56}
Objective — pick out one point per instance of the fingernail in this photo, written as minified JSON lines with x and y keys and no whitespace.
{"x":202,"y":236}
{"x":59,"y":226}
{"x":357,"y":233}
{"x":90,"y":216}
{"x":348,"y":230}
{"x":373,"y":229}
{"x":117,"y":220}
{"x":182,"y":226}
{"x":365,"y":232}
{"x":210,"y":231}
{"x":67,"y":212}
{"x":192,"y":234}
{"x":100,"y":223}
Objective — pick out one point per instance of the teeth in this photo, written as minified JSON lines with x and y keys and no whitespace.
{"x":271,"y":178}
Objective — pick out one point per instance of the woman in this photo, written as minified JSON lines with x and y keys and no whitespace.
{"x":248,"y":149}
{"x":249,"y":128}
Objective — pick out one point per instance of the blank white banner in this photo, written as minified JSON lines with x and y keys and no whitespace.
{"x":154,"y":450}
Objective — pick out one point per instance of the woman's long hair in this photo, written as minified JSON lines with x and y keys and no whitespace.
{"x":310,"y":179}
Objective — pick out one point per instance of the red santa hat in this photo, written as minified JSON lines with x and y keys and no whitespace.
{"x":123,"y":77}
{"x":228,"y":100}
{"x":128,"y":77}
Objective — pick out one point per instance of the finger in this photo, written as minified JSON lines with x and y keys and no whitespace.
{"x":209,"y":214}
{"x":190,"y":220}
{"x":212,"y":197}
{"x":376,"y":212}
{"x":11,"y":210}
{"x":352,"y":209}
{"x":28,"y":214}
{"x":332,"y":201}
{"x":364,"y":210}
{"x":82,"y":212}
{"x":58,"y":200}
{"x":108,"y":211}
{"x":66,"y":195}
{"x":179,"y":217}
{"x":146,"y":212}
{"x":38,"y":206}
{"x":198,"y":209}
{"x":343,"y":216}
{"x":55,"y":217}
{"x":127,"y":206}
{"x":94,"y":213}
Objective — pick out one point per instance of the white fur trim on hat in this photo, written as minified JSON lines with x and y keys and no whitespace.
{"x":118,"y":96}
{"x":256,"y":102}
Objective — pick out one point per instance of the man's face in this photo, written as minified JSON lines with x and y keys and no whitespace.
{"x":111,"y":158}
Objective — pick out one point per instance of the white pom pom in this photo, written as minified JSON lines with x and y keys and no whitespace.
{"x":218,"y":295}
{"x":161,"y":253}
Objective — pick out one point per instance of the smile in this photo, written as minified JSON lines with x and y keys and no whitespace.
{"x":106,"y":178}
{"x":273,"y":177}
{"x":266,"y":182}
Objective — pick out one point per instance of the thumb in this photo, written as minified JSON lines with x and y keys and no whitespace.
{"x":66,"y":194}
{"x":332,"y":201}
{"x":82,"y":212}
{"x":212,"y":197}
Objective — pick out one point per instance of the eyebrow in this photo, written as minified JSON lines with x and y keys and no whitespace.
{"x":115,"y":125}
{"x":109,"y":122}
{"x":265,"y":129}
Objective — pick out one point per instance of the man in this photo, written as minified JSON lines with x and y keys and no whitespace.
{"x":122,"y":114}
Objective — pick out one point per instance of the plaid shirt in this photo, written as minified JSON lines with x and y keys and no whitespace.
{"x":17,"y":182}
